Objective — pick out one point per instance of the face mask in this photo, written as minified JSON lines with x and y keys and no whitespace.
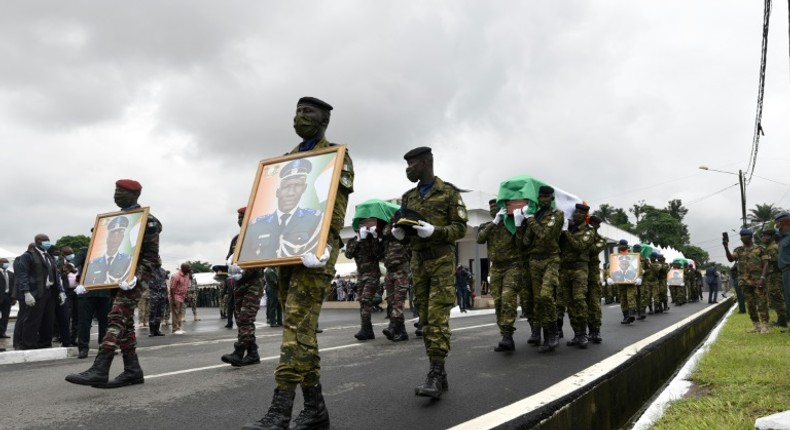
{"x":411,"y":175}
{"x":5,"y":265}
{"x":46,"y":245}
{"x":69,"y":257}
{"x":305,"y":128}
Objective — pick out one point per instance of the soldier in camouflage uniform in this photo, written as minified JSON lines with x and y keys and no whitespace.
{"x":773,"y":279}
{"x":594,"y":285}
{"x":678,"y":292}
{"x":366,"y":249}
{"x":542,"y":242}
{"x":506,"y":272}
{"x":302,"y":291}
{"x":752,"y":270}
{"x":575,"y":246}
{"x":642,"y":290}
{"x":157,"y":291}
{"x":247,"y":293}
{"x":627,"y":291}
{"x":661,"y":295}
{"x":142,"y":309}
{"x":650,"y":283}
{"x":120,"y":329}
{"x":433,"y":259}
{"x":192,"y":296}
{"x":396,"y":284}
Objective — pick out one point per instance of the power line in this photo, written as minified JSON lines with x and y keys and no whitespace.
{"x":758,"y":127}
{"x":710,"y":195}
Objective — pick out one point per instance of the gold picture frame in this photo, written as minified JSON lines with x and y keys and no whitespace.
{"x":290,"y":208}
{"x":624,"y":268}
{"x":114,"y":248}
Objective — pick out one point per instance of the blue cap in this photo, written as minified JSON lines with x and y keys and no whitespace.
{"x":623,"y":242}
{"x":782,"y":216}
{"x":746,"y":232}
{"x":654,"y":254}
{"x":637,"y":246}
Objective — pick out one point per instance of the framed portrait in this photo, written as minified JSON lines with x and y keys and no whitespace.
{"x":290,"y":208}
{"x":624,"y":268}
{"x":115,"y":246}
{"x":675,"y":278}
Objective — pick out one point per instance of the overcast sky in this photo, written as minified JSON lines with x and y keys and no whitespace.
{"x":614,"y":101}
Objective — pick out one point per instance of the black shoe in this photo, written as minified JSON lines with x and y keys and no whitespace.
{"x":83,"y":353}
{"x":97,"y":374}
{"x":418,"y":332}
{"x":4,"y":336}
{"x":550,"y":340}
{"x":506,"y":344}
{"x":278,"y":417}
{"x":631,"y":316}
{"x":434,"y":383}
{"x":252,"y":356}
{"x":228,"y":325}
{"x":366,"y":332}
{"x":534,"y":339}
{"x":132,"y":374}
{"x":400,"y":333}
{"x":314,"y":416}
{"x":390,"y":330}
{"x":234,"y":358}
{"x":626,"y":318}
{"x":595,"y":336}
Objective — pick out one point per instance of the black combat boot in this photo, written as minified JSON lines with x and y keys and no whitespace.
{"x":252,"y":356}
{"x":159,"y":330}
{"x":550,"y":340}
{"x":666,"y":306}
{"x":595,"y":335}
{"x":659,"y":308}
{"x":418,"y":332}
{"x":559,"y":328}
{"x":575,"y":341}
{"x":235,"y":357}
{"x":400,"y":333}
{"x":581,"y":339}
{"x":506,"y":344}
{"x":314,"y":416}
{"x":650,"y":309}
{"x":434,"y":383}
{"x":97,"y":374}
{"x":366,"y":332}
{"x":626,"y":319}
{"x":534,"y":339}
{"x":132,"y":373}
{"x":641,"y":314}
{"x":278,"y":417}
{"x":390,"y":330}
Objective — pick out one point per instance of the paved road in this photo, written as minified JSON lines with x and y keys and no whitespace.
{"x":367,"y":385}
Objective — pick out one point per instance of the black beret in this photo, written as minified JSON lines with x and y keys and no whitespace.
{"x":596,"y":219}
{"x":492,"y":201}
{"x":312,"y":101}
{"x":582,"y":207}
{"x":545,"y":189}
{"x":422,"y":150}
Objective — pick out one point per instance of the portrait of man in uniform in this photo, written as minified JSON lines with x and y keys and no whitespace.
{"x":624,"y":268}
{"x":287,"y":214}
{"x":675,"y":278}
{"x":112,"y":252}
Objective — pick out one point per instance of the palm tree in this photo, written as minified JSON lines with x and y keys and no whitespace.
{"x":763,"y":214}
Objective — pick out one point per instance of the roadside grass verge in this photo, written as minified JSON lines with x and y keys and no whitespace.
{"x":742,"y":377}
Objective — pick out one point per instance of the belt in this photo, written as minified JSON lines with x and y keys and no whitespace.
{"x":434,"y":253}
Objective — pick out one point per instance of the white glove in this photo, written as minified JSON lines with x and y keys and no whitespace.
{"x":424,"y":230}
{"x":29,"y":299}
{"x":638,"y":281}
{"x":500,"y":216}
{"x":62,"y":298}
{"x":609,"y":281}
{"x":310,"y":260}
{"x":235,"y":272}
{"x":363,"y":232}
{"x":373,"y":233}
{"x":126,"y":286}
{"x":518,"y":216}
{"x":80,"y":289}
{"x":398,"y":233}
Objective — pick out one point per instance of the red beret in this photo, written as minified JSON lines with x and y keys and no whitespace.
{"x":242,"y":211}
{"x":128,"y":184}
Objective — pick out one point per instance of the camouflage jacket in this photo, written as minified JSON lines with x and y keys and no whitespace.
{"x":750,"y":262}
{"x":442,"y":207}
{"x":594,"y":261}
{"x":575,"y":245}
{"x":157,"y":286}
{"x":652,"y":271}
{"x":396,"y":254}
{"x":542,"y":235}
{"x":772,"y":249}
{"x":366,"y":253}
{"x":149,"y":249}
{"x":662,"y":274}
{"x":502,"y":246}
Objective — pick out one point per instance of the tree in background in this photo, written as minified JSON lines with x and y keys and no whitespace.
{"x":614,"y":216}
{"x":699,"y":255}
{"x":75,"y":242}
{"x":199,"y":266}
{"x":763,"y":214}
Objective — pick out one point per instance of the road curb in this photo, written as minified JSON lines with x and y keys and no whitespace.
{"x":33,"y":355}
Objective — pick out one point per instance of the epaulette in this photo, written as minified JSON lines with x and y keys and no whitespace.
{"x":301,"y":212}
{"x":263,"y":218}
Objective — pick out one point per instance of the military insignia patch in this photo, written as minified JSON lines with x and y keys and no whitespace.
{"x":345,"y":179}
{"x":461,"y":211}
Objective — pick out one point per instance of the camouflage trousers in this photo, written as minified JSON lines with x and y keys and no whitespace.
{"x":650,"y":293}
{"x":678,"y":293}
{"x":545,"y":280}
{"x":156,"y":310}
{"x":434,"y":296}
{"x":247,"y":302}
{"x":526,"y":297}
{"x":120,"y":321}
{"x":756,"y":299}
{"x":302,"y":291}
{"x":627,"y":294}
{"x":506,"y":281}
{"x":396,"y":284}
{"x":367,"y":286}
{"x":661,"y":292}
{"x":572,"y":295}
{"x":776,"y":296}
{"x":142,"y":308}
{"x":594,"y":291}
{"x":191,"y":301}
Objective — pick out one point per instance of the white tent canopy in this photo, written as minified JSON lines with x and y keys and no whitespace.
{"x":4,"y":253}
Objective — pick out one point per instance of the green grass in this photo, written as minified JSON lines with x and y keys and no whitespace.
{"x":742,"y":377}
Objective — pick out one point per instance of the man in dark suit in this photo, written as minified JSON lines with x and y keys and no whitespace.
{"x":38,"y":286}
{"x":6,"y":287}
{"x":113,"y":266}
{"x":290,"y":230}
